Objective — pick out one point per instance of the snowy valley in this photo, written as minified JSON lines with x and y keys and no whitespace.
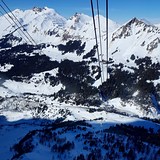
{"x":50,"y":106}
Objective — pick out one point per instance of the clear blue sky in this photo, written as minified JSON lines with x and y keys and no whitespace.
{"x":123,"y":10}
{"x":119,"y":10}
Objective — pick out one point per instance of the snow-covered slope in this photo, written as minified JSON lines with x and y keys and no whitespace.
{"x":135,"y":37}
{"x":46,"y":25}
{"x":51,"y":86}
{"x":38,"y":22}
{"x":70,"y":42}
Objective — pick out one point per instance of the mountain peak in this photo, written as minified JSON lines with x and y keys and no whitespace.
{"x":42,"y":10}
{"x":78,"y":20}
{"x":134,"y":27}
{"x":37,"y":9}
{"x":133,"y":20}
{"x":139,"y":22}
{"x":79,"y":16}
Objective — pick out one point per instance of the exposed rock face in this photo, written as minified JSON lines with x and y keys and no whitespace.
{"x":153,"y":45}
{"x":37,"y":9}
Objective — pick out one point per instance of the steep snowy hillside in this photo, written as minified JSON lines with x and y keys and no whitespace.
{"x":41,"y":23}
{"x":137,"y":38}
{"x":50,"y":102}
{"x":134,"y":65}
{"x":81,"y":25}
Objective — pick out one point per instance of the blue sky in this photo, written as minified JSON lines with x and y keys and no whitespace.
{"x":123,"y":10}
{"x":119,"y":10}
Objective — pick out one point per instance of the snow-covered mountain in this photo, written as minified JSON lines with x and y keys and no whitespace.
{"x":135,"y":37}
{"x":37,"y":22}
{"x":50,"y":106}
{"x":45,"y":25}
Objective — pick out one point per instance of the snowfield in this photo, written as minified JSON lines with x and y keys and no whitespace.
{"x":50,"y":107}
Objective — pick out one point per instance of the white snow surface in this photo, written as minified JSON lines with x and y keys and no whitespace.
{"x":19,"y":123}
{"x":135,"y":37}
{"x":39,"y":23}
{"x":15,"y":113}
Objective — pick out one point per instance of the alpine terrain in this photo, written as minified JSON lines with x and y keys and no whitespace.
{"x":55,"y":99}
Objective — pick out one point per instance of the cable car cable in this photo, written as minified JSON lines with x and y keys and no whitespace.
{"x":94,"y":24}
